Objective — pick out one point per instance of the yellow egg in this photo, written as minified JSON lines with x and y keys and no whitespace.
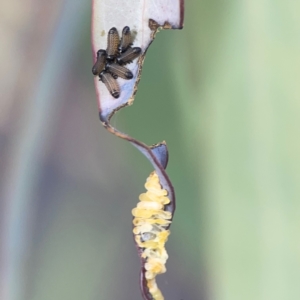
{"x":150,"y":205}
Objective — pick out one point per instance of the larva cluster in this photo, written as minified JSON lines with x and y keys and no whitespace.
{"x":150,"y":231}
{"x":110,"y":62}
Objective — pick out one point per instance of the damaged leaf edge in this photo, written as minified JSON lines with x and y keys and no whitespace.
{"x":155,"y":28}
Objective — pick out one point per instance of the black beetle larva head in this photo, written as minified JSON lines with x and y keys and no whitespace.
{"x":110,"y":83}
{"x":137,"y":50}
{"x":129,"y":55}
{"x":100,"y":62}
{"x":126,"y":39}
{"x":101,"y":52}
{"x":128,"y":75}
{"x":120,"y":71}
{"x":115,"y":94}
{"x":126,"y":30}
{"x":112,"y":30}
{"x":113,"y":41}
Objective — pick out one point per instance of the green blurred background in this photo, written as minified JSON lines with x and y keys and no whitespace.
{"x":224,"y":93}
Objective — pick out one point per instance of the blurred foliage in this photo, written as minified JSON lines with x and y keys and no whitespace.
{"x":223,"y":93}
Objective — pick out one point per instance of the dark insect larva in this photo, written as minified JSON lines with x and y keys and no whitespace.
{"x":100,"y":63}
{"x":129,"y":55}
{"x":118,"y":70}
{"x":112,"y":43}
{"x":109,"y":63}
{"x":126,"y":39}
{"x":110,"y":83}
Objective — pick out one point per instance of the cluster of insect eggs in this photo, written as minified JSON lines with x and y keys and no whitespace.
{"x":110,"y":62}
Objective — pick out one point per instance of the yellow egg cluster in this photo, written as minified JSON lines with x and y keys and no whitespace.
{"x":150,"y":223}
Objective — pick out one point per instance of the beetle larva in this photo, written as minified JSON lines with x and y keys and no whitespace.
{"x":126,"y":39}
{"x":110,"y":83}
{"x":100,"y":62}
{"x":112,"y":43}
{"x":129,"y":55}
{"x":118,"y":70}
